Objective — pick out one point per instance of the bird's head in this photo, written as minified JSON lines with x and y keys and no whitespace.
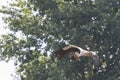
{"x":75,"y":56}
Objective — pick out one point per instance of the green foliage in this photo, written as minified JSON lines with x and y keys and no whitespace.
{"x":55,"y":23}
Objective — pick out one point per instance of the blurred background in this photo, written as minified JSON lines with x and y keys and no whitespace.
{"x":36,"y":29}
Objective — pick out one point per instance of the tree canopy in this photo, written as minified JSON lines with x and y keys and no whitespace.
{"x":48,"y":25}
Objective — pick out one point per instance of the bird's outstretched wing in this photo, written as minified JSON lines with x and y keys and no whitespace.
{"x":96,"y":63}
{"x":66,"y":50}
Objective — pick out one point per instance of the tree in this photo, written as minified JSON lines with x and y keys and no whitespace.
{"x":90,"y":24}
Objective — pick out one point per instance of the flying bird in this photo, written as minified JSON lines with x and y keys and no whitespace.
{"x":77,"y":52}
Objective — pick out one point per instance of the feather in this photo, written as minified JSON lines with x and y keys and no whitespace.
{"x":95,"y":62}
